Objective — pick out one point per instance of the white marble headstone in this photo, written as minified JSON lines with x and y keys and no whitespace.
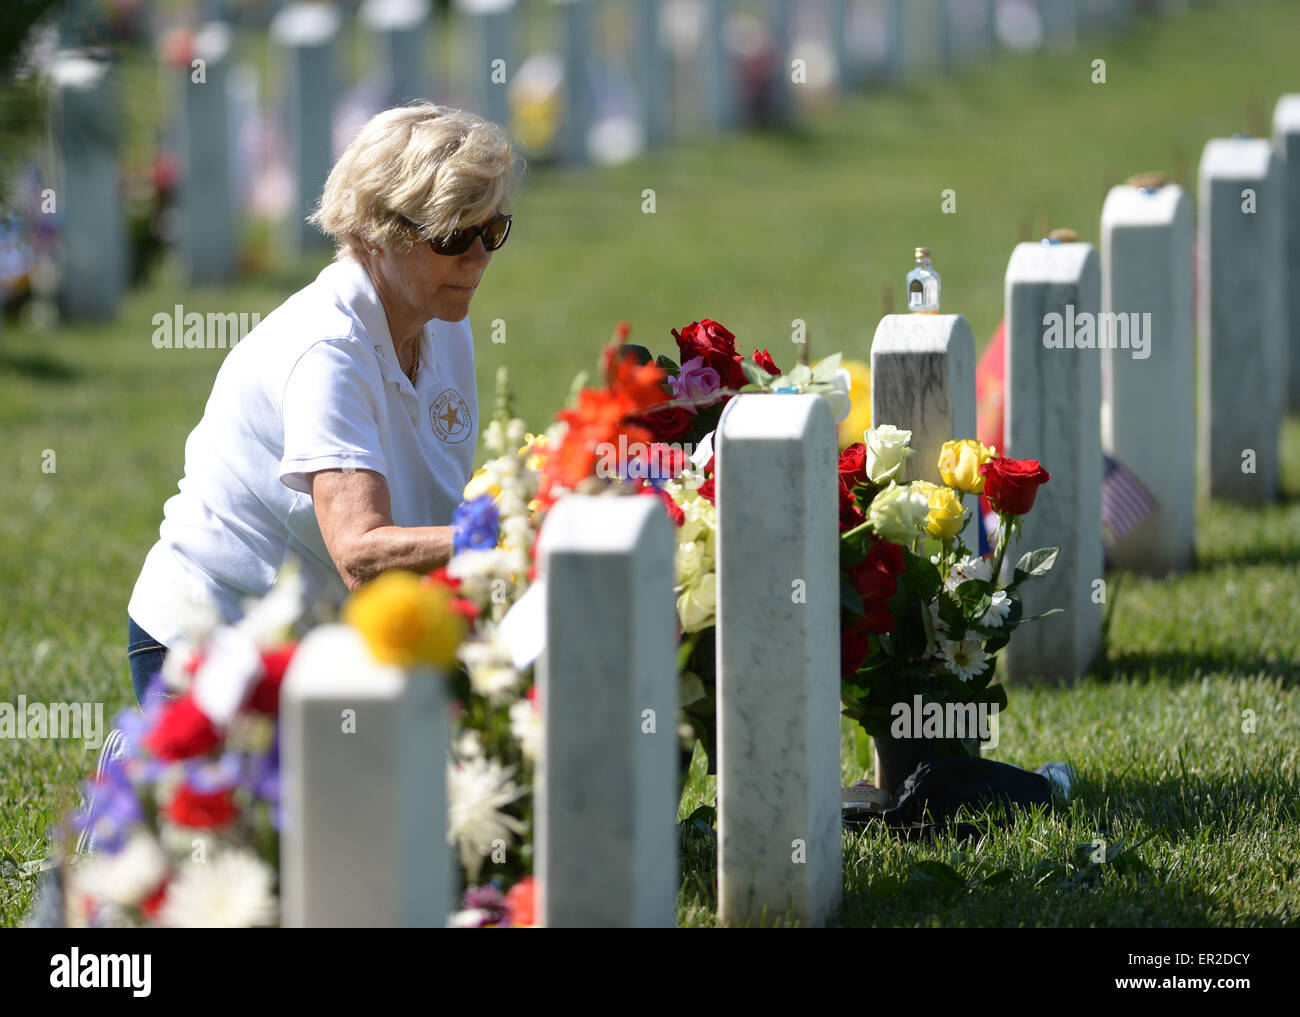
{"x":923,"y":381}
{"x":84,"y":129}
{"x":719,"y":75}
{"x":579,"y":109}
{"x":1053,"y":412}
{"x":209,"y":216}
{"x":1286,"y":140}
{"x":607,"y":782}
{"x":1241,"y":315}
{"x":364,"y":776}
{"x":653,"y":72}
{"x":490,"y":38}
{"x":778,"y":662}
{"x":305,"y":36}
{"x":401,"y":31}
{"x":1148,"y":420}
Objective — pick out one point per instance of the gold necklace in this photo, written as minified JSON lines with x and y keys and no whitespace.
{"x":415,"y":364}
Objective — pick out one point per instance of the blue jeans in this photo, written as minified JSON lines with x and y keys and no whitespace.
{"x":145,"y":655}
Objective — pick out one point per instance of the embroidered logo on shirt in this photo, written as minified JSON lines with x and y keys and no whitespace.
{"x":449,"y":416}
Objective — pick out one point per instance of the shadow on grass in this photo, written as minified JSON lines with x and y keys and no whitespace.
{"x":38,"y":366}
{"x":1182,"y":805}
{"x":1187,"y":665}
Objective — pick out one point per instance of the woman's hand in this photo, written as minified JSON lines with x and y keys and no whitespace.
{"x":356,"y":519}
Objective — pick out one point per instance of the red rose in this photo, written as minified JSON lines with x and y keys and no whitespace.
{"x":1011,"y":484}
{"x":707,"y":492}
{"x":201,"y":811}
{"x":266,"y":693}
{"x":674,"y":510}
{"x":181,"y":732}
{"x":853,"y":465}
{"x":855,"y":647}
{"x":764,"y":360}
{"x":717,"y":346}
{"x":667,"y":424}
{"x":851,"y":516}
{"x":876,"y":580}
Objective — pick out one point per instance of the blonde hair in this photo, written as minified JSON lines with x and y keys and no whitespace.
{"x":438,"y":167}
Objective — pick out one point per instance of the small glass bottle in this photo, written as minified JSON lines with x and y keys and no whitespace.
{"x":923,"y":285}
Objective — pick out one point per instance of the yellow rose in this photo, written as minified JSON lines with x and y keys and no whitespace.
{"x":406,"y":621}
{"x":960,"y":462}
{"x":859,"y":418}
{"x":946,"y":515}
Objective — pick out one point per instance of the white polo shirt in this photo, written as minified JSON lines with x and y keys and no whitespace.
{"x":316,"y":385}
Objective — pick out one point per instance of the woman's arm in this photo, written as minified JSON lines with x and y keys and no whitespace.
{"x":356,"y":520}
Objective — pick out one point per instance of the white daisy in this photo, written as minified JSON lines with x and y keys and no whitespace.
{"x":233,"y":891}
{"x":965,"y":659}
{"x":998,"y":610}
{"x":477,"y":790}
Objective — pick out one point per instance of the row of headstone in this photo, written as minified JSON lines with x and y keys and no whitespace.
{"x":607,"y":783}
{"x":922,"y":35}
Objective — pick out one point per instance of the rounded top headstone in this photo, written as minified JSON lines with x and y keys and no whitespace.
{"x":213,"y":40}
{"x":484,"y":6}
{"x":304,"y":24}
{"x":75,"y":70}
{"x":392,"y":15}
{"x":1286,"y":114}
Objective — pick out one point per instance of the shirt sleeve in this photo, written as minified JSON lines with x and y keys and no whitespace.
{"x":331,"y":409}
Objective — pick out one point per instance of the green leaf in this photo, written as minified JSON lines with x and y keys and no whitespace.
{"x":1036,"y":563}
{"x":800,"y":375}
{"x":935,"y":872}
{"x":667,"y":364}
{"x":825,"y":369}
{"x":862,"y":747}
{"x":755,"y":374}
{"x":995,"y":879}
{"x":693,"y":690}
{"x":642,"y":354}
{"x":850,"y":599}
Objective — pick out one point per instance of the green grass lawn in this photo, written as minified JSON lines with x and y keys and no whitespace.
{"x":757,"y":231}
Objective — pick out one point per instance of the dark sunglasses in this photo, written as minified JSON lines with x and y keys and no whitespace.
{"x":493,"y":232}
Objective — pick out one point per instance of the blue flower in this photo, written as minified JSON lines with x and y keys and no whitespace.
{"x":476,"y":525}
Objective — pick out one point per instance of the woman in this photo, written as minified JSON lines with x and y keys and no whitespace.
{"x":341,"y":431}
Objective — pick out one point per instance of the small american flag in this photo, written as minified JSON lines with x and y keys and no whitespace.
{"x":1124,"y":501}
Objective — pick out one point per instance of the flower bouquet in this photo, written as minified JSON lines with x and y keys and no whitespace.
{"x":923,"y":618}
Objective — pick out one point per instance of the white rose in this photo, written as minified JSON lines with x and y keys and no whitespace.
{"x":887,"y":448}
{"x":697,"y":604}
